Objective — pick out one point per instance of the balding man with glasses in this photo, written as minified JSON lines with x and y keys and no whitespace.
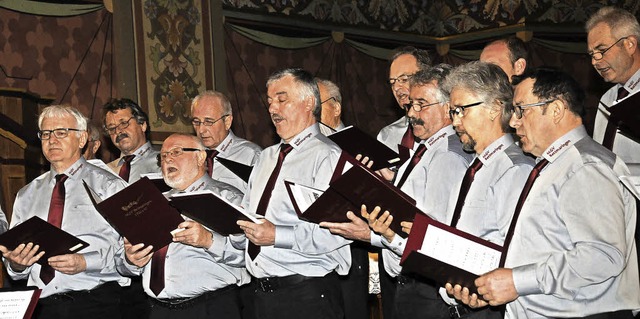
{"x":84,"y":284}
{"x":212,"y":117}
{"x":612,"y":40}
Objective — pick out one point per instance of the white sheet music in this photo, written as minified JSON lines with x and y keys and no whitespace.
{"x":14,"y":304}
{"x":304,"y":196}
{"x":459,"y":251}
{"x":632,"y":183}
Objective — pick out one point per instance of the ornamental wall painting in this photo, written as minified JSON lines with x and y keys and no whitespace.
{"x":174,"y":60}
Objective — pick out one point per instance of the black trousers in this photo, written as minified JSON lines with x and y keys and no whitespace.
{"x":621,"y":314}
{"x":314,"y":298}
{"x":134,"y":302}
{"x":355,"y":285}
{"x":224,"y":305}
{"x":98,"y":303}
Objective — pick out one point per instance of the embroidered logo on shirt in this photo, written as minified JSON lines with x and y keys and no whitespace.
{"x":299,"y":140}
{"x":487,"y":155}
{"x":554,"y":150}
{"x":197,"y":187}
{"x":432,"y":140}
{"x":632,"y":85}
{"x":73,"y":171}
{"x":223,"y":148}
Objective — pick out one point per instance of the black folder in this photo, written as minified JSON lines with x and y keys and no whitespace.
{"x":354,"y":141}
{"x":241,"y":170}
{"x":52,"y":240}
{"x":140,"y":213}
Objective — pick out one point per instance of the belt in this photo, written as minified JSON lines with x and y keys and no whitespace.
{"x":183,"y":303}
{"x":404,"y":279}
{"x":458,"y":311}
{"x":70,"y":296}
{"x":271,"y":284}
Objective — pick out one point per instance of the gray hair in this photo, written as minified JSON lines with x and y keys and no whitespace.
{"x":306,"y":83}
{"x":621,"y":22}
{"x":62,"y":111}
{"x":332,"y":88}
{"x":436,"y":73}
{"x":224,"y":100}
{"x":421,"y":56}
{"x":93,"y":131}
{"x":488,"y":82}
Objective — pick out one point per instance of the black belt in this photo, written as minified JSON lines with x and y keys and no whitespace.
{"x":70,"y":296}
{"x":404,"y":279}
{"x":271,"y":284}
{"x":458,"y":311}
{"x":183,"y":303}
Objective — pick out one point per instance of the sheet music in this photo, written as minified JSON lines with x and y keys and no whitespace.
{"x":253,"y":217}
{"x":459,"y":251}
{"x":304,"y":195}
{"x":632,"y":183}
{"x":14,"y":304}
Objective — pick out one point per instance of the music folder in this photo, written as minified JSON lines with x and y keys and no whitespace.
{"x":212,"y":211}
{"x":632,"y":183}
{"x":52,"y":240}
{"x":241,"y":170}
{"x":140,"y":213}
{"x":18,"y":302}
{"x":354,"y":141}
{"x":444,"y":254}
{"x":158,"y":181}
{"x":358,"y":185}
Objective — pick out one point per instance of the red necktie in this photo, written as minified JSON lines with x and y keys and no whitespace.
{"x":612,"y":124}
{"x":464,"y":189}
{"x":414,"y":161}
{"x":126,"y":167}
{"x":523,"y":197}
{"x":56,"y":209}
{"x":156,"y":282}
{"x":210,"y":155}
{"x":253,"y":249}
{"x":408,"y":138}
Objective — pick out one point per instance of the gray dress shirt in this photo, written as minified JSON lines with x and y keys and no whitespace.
{"x":80,"y":219}
{"x":626,"y":148}
{"x":430,"y":183}
{"x":300,"y":247}
{"x":145,"y":162}
{"x":4,"y":225}
{"x":235,"y":149}
{"x":391,"y":135}
{"x":573,"y":253}
{"x":191,"y":271}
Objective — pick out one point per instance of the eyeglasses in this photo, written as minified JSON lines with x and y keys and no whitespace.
{"x":518,"y":110}
{"x":175,"y":152}
{"x":123,"y":125}
{"x":598,"y":55}
{"x":59,"y":133}
{"x":417,"y":106}
{"x":206,"y":122}
{"x":329,"y":99}
{"x":459,"y":110}
{"x":402,"y":79}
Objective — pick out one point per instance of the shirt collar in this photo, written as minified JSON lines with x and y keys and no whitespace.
{"x":199,"y":184}
{"x":72,"y":171}
{"x":143,"y":150}
{"x":228,"y":141}
{"x":498,"y":146}
{"x":633,"y":83}
{"x":561,"y":145}
{"x":439,"y":137}
{"x":305,"y":136}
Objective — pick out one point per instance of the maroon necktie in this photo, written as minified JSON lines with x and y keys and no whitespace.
{"x":211,"y":154}
{"x":612,"y":124}
{"x":414,"y":161}
{"x":253,"y":249}
{"x":523,"y":197}
{"x":408,"y":138}
{"x":156,"y":282}
{"x":56,"y":209}
{"x":464,"y":189}
{"x":126,"y":167}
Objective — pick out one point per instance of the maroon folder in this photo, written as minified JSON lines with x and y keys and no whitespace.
{"x":355,"y":187}
{"x":440,"y":272}
{"x":354,"y":141}
{"x":140,"y":213}
{"x":52,"y":240}
{"x":18,"y":302}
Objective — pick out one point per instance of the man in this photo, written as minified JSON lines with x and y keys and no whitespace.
{"x":433,"y":172}
{"x":294,"y":262}
{"x":405,"y":62}
{"x":93,"y":143}
{"x":355,"y":286}
{"x":510,"y":54}
{"x":612,"y":40}
{"x":572,"y":252}
{"x":84,"y":284}
{"x":202,"y":269}
{"x":128,"y":127}
{"x":331,"y":103}
{"x":480,"y":101}
{"x":212,"y":119}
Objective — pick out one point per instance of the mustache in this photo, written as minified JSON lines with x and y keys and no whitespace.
{"x":276,"y":117}
{"x":415,"y":121}
{"x":121,"y":136}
